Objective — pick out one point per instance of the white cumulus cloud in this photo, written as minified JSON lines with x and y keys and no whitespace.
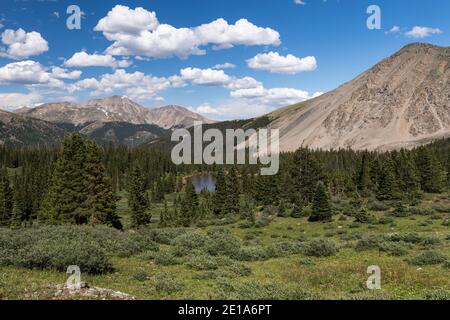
{"x":83,"y":59}
{"x":27,"y":72}
{"x":419,"y":32}
{"x":21,"y":44}
{"x":122,"y":19}
{"x":136,"y":85}
{"x":138,"y":32}
{"x":208,"y":77}
{"x":276,"y":63}
{"x":225,"y":65}
{"x":62,"y":73}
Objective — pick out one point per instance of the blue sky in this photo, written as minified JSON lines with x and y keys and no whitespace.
{"x":246,"y":58}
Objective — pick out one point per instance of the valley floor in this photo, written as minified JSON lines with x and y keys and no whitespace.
{"x":286,"y":274}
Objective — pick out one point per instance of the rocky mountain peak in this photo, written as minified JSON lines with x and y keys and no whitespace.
{"x":400,"y":102}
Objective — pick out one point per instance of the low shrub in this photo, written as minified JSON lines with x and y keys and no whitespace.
{"x":201,"y":262}
{"x":306,"y":262}
{"x":148,"y":255}
{"x":246,"y":224}
{"x":134,"y":243}
{"x":395,"y":249}
{"x":165,"y":258}
{"x":428,"y":258}
{"x":375,"y":205}
{"x":222,"y":242}
{"x":185,"y":243}
{"x":249,"y":236}
{"x":321,"y":248}
{"x":370,"y":242}
{"x":283,"y":248}
{"x":355,"y":225}
{"x":57,"y":247}
{"x":442,"y":295}
{"x":237,"y":269}
{"x":256,"y":290}
{"x":262,"y":222}
{"x":441,"y":209}
{"x":166,"y":235}
{"x":410,"y":237}
{"x":430,"y":241}
{"x":140,"y":275}
{"x":385,"y":220}
{"x":253,"y":253}
{"x":167,"y":283}
{"x":351,"y":236}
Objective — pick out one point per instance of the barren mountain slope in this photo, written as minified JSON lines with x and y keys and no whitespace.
{"x":401,"y":102}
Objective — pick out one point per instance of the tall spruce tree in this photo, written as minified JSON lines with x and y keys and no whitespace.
{"x":321,"y":205}
{"x":306,"y":172}
{"x":363,"y":179}
{"x":66,"y":198}
{"x":233,"y":191}
{"x":189,"y":205}
{"x":431,"y":173}
{"x":22,"y":209}
{"x":448,"y":171}
{"x":406,"y":172}
{"x":6,"y":199}
{"x":164,"y":217}
{"x":247,"y":209}
{"x":221,"y":194}
{"x":100,"y":201}
{"x":138,"y":200}
{"x":387,"y":183}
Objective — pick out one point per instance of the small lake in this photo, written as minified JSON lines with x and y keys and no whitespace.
{"x":204,"y":181}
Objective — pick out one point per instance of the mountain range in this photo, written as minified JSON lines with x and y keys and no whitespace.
{"x":403,"y":101}
{"x":114,"y":109}
{"x":115,"y":119}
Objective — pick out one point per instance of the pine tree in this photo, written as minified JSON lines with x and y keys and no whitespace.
{"x":361,"y":215}
{"x":176,"y":218}
{"x":189,"y":207}
{"x":101,"y":201}
{"x":306,"y":172}
{"x":233,"y":192}
{"x":448,"y":171}
{"x":387,"y":184}
{"x":400,"y":210}
{"x":247,"y":209}
{"x":220,"y":196}
{"x":407,"y":175}
{"x":282,"y":209}
{"x":21,"y":212}
{"x":6,"y":199}
{"x":363,"y":179}
{"x":164,"y":217}
{"x":431,"y":174}
{"x":321,"y":208}
{"x":138,"y":199}
{"x":297,"y":210}
{"x":205,"y":205}
{"x":158,"y":191}
{"x":66,"y":198}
